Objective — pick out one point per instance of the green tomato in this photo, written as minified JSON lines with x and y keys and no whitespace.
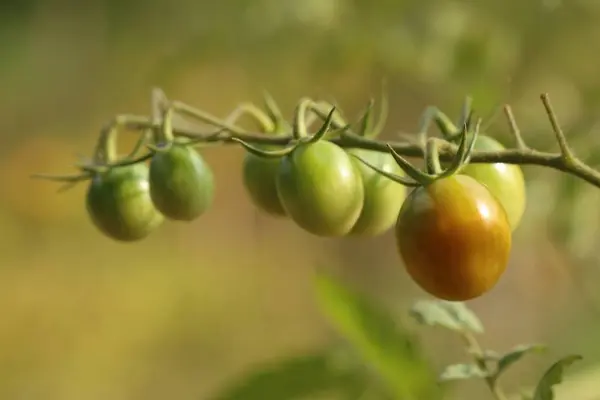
{"x":119,"y":204}
{"x":505,"y":181}
{"x":259,"y":175}
{"x":383,"y":197}
{"x":320,"y":188}
{"x":181,"y":183}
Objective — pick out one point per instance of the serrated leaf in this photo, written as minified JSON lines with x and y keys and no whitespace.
{"x":516,"y":354}
{"x":298,"y":377}
{"x":455,"y":316}
{"x":377,"y":338}
{"x":553,"y":376}
{"x":462,"y":371}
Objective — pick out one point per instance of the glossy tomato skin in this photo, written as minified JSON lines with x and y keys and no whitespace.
{"x":454,"y":238}
{"x":181,"y":183}
{"x":259,"y":175}
{"x":119,"y":204}
{"x":505,"y":181}
{"x":383,"y":197}
{"x":321,"y":189}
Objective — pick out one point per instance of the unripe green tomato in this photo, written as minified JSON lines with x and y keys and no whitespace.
{"x":259,"y":174}
{"x":383,"y":197}
{"x":119,"y":204}
{"x":320,"y":188}
{"x":505,"y":181}
{"x":181,"y":183}
{"x":454,"y":238}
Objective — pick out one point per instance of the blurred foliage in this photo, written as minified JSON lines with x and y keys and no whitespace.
{"x":177,"y":316}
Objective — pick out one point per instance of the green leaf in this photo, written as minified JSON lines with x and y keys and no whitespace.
{"x":455,"y":316}
{"x":516,"y":354}
{"x":378,"y":339}
{"x":553,"y":376}
{"x":298,"y":377}
{"x":462,"y":371}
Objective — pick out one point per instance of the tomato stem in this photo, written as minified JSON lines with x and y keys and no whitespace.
{"x":565,"y":149}
{"x":264,"y":122}
{"x":265,"y":153}
{"x":479,"y":357}
{"x":466,"y":112}
{"x":514,"y":128}
{"x":383,"y":116}
{"x":205,"y":117}
{"x":106,"y":146}
{"x":445,"y":124}
{"x":320,"y":134}
{"x":366,"y":120}
{"x":164,"y":135}
{"x":280,"y":125}
{"x":432,"y":157}
{"x":322,"y":108}
{"x":299,"y":129}
{"x":427,"y":117}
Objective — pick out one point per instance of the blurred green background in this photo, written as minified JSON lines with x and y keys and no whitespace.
{"x":180,"y":314}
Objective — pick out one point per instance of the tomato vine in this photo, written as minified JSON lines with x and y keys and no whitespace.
{"x":453,"y":231}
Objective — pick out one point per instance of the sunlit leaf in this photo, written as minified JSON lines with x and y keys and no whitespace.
{"x":295,"y":378}
{"x":378,"y":339}
{"x":450,"y":315}
{"x":516,"y":354}
{"x":553,"y":376}
{"x":462,"y":371}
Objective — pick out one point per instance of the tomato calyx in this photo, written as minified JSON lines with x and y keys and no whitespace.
{"x":449,"y":129}
{"x":434,"y":171}
{"x":299,"y":129}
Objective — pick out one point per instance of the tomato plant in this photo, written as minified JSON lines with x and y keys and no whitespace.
{"x":119,"y":204}
{"x":321,"y":189}
{"x":505,"y":181}
{"x":181,"y":183}
{"x":382,"y":196}
{"x":454,"y":238}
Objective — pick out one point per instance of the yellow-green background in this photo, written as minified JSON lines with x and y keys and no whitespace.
{"x":179,"y":314}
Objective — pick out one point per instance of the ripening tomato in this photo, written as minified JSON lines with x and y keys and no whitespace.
{"x":259,"y":174}
{"x":119,"y":204}
{"x":382,"y":197}
{"x":181,"y":183}
{"x":505,"y":181}
{"x":320,"y":188}
{"x":454,"y":238}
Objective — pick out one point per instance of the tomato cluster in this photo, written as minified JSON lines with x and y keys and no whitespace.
{"x":452,"y":231}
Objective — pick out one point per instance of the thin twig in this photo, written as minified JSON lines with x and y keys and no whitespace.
{"x":514,"y":128}
{"x":565,"y":149}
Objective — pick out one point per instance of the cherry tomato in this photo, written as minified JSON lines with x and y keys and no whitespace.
{"x":259,"y":175}
{"x":454,"y":238}
{"x":320,"y":188}
{"x":505,"y":181}
{"x":181,"y":183}
{"x":382,"y":196}
{"x":119,"y":204}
